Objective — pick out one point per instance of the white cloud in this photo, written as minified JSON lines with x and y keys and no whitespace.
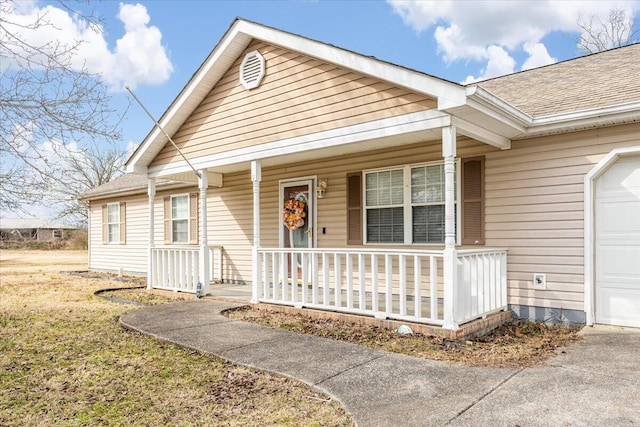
{"x":499,"y":63}
{"x":538,"y":56}
{"x":138,"y":57}
{"x":465,"y":30}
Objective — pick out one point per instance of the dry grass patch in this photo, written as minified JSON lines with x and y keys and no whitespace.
{"x":64,"y":360}
{"x":516,"y":344}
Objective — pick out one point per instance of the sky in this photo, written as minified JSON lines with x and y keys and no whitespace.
{"x":156,"y":46}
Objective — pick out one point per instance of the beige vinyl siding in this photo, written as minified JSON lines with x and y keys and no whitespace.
{"x":230,"y":224}
{"x":535,"y":208}
{"x":299,"y":95}
{"x":131,"y":257}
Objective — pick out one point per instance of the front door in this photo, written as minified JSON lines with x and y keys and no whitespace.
{"x":297,"y":218}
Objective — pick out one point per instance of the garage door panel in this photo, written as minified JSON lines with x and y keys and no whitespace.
{"x":617,"y":244}
{"x":619,"y":306}
{"x":613,"y":262}
{"x":626,"y":214}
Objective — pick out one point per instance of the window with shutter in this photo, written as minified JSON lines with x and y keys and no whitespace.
{"x":354,"y":208}
{"x":181,"y":218}
{"x":473,"y":201}
{"x":406,"y":204}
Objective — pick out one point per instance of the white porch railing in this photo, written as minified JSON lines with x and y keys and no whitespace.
{"x":176,"y":268}
{"x":482,"y":283}
{"x":395,"y":284}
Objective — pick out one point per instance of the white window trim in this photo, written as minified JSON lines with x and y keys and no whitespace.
{"x":407,"y":211}
{"x":109,"y":224}
{"x":181,"y":219}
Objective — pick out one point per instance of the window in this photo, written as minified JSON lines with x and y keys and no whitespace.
{"x":57,"y":234}
{"x":180,"y":219}
{"x":113,"y":222}
{"x":427,"y":203}
{"x":406,"y":205}
{"x":384,"y":197}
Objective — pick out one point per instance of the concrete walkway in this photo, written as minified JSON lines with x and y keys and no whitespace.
{"x":596,"y":382}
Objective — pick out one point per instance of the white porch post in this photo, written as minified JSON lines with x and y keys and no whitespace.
{"x":450,"y":253}
{"x":151,"y":191}
{"x":204,"y":261}
{"x":256,"y":177}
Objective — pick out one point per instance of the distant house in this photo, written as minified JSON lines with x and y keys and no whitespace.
{"x":332,"y":180}
{"x":21,"y":230}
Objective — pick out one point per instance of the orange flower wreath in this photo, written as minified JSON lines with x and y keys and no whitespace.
{"x":293,"y":214}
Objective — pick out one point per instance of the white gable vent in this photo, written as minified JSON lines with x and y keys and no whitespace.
{"x":252,"y":70}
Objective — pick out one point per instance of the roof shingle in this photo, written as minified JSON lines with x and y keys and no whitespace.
{"x":583,"y":83}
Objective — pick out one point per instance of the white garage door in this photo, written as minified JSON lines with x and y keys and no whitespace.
{"x":617,"y":233}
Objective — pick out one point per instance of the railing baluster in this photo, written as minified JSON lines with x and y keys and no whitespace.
{"x":402,"y":267}
{"x":294,"y":277}
{"x":325,"y":278}
{"x":337,"y":274}
{"x":388,"y":270}
{"x":417,"y":286}
{"x":314,"y":281}
{"x":305,"y":277}
{"x":284,"y":271}
{"x":374,"y":283}
{"x":362,"y":290}
{"x":349,"y":278}
{"x":265,"y":276}
{"x":433,"y":287}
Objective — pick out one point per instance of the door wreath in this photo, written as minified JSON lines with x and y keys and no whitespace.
{"x":293,"y":214}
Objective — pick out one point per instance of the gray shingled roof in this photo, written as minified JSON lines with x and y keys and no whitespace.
{"x":584,"y":83}
{"x":126,"y":182}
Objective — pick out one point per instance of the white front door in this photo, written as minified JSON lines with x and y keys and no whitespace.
{"x":617,"y":245}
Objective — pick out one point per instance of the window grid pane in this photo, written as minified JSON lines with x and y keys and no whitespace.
{"x":384,"y":188}
{"x":114,"y":233}
{"x":113,"y":213}
{"x":385,"y":225}
{"x":180,"y":231}
{"x":180,"y":207}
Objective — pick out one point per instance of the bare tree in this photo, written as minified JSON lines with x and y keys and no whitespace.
{"x":614,"y":30}
{"x":46,"y":99}
{"x":80,"y":171}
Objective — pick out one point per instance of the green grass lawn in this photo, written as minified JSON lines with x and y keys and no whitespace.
{"x":64,"y":360}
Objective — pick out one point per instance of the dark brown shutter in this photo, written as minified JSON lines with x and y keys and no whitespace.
{"x":167,"y":220}
{"x":473,"y":201}
{"x":123,"y":223}
{"x":105,"y":226}
{"x":193,"y":218}
{"x":354,"y":208}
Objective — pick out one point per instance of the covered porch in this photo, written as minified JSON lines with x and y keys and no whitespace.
{"x":445,"y":287}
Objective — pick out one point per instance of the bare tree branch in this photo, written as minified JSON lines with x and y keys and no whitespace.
{"x":599,"y":33}
{"x":49,"y":107}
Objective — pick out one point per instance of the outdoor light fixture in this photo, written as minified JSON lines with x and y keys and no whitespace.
{"x":321,"y":188}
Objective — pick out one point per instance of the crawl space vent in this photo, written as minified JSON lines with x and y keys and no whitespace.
{"x":252,"y":70}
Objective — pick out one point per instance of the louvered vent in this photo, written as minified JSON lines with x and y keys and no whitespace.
{"x":252,"y":70}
